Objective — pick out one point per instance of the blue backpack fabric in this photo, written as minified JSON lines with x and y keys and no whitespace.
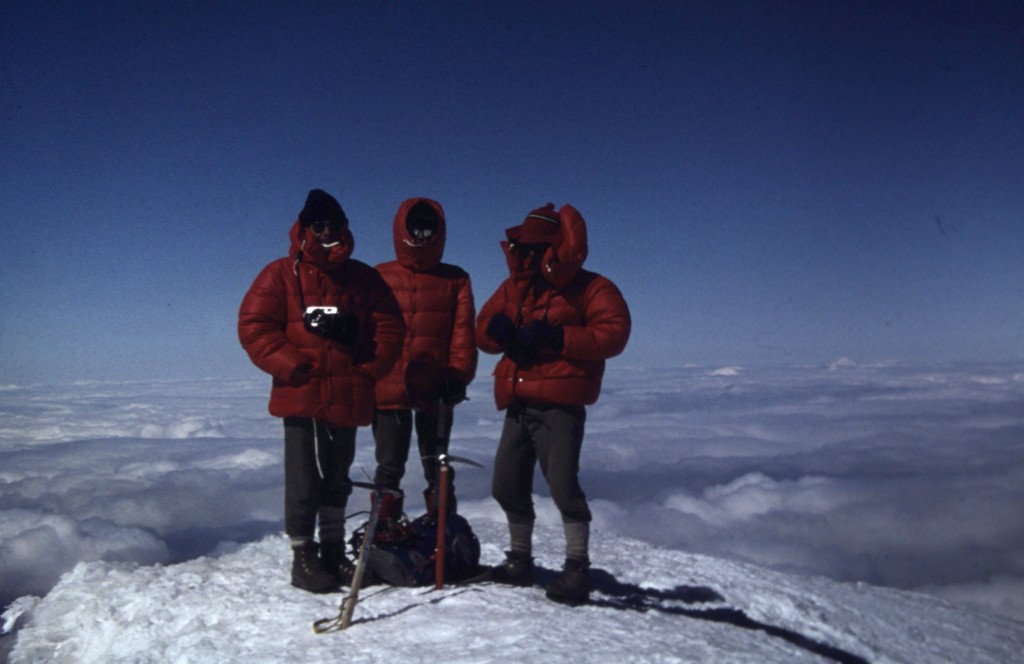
{"x":411,"y":560}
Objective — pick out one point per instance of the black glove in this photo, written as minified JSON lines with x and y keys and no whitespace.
{"x":541,"y":335}
{"x":535,"y":337}
{"x":501,"y":329}
{"x":346,"y":330}
{"x":451,"y":390}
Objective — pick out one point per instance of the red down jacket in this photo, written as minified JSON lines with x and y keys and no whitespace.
{"x":270,"y":326}
{"x":436,"y":300}
{"x":589,"y":307}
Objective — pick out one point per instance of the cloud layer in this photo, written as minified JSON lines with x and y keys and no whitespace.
{"x":895,"y":475}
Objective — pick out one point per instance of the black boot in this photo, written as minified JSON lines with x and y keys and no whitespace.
{"x":573,"y":585}
{"x":334,"y":559}
{"x":309,"y":572}
{"x":517,"y":570}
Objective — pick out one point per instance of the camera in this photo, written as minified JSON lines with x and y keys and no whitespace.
{"x":326,"y":322}
{"x":321,"y":320}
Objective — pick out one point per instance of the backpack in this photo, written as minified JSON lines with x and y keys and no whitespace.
{"x":410,"y":560}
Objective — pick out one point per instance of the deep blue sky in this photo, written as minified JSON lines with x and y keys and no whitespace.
{"x":767,"y":182}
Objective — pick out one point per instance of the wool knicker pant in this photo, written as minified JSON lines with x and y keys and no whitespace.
{"x":392,"y":435}
{"x":317,"y":459}
{"x":551,"y":435}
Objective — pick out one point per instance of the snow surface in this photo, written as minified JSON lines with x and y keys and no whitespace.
{"x":657,"y":605}
{"x":741,"y":514}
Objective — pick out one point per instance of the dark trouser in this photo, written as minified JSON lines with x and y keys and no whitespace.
{"x":392,"y":435}
{"x":553,"y":436}
{"x":317,"y":459}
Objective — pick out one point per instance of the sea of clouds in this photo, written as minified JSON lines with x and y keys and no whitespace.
{"x":893,"y":474}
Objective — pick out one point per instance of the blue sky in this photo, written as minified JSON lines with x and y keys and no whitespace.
{"x":768,"y":183}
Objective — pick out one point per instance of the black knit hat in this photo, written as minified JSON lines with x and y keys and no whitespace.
{"x":321,"y":206}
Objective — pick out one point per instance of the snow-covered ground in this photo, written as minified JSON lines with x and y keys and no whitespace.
{"x":655,"y":605}
{"x":740,"y":515}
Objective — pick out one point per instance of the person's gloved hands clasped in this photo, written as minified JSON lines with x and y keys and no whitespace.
{"x":535,"y":338}
{"x":501,"y":329}
{"x":542,"y":335}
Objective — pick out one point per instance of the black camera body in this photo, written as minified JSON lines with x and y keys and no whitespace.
{"x":321,"y":320}
{"x":328,"y":323}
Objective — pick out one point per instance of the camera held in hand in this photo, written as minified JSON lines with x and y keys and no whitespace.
{"x":326,"y":322}
{"x":321,"y":320}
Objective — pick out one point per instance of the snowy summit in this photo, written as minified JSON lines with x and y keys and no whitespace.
{"x":650,"y":605}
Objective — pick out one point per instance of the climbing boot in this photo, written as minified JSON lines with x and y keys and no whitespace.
{"x":517,"y":570}
{"x":573,"y":585}
{"x":309,"y":572}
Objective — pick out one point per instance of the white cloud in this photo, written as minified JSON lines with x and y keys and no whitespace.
{"x":36,"y":548}
{"x":910,"y":477}
{"x":754,"y":495}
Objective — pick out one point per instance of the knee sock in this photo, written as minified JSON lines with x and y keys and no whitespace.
{"x":332,"y":524}
{"x":521,"y":537}
{"x":577,"y":540}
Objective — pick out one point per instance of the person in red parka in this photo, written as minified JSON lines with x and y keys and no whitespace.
{"x":326,"y":327}
{"x":438,"y":359}
{"x":555,"y":324}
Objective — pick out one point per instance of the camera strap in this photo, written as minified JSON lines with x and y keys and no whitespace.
{"x":298,"y":278}
{"x":316,"y":445}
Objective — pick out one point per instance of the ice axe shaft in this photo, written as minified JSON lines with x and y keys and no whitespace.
{"x":357,"y":578}
{"x":348,"y":604}
{"x":442,"y":516}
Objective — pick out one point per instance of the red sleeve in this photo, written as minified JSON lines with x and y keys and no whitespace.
{"x":462,"y":355}
{"x":607,"y":327}
{"x":262,"y":318}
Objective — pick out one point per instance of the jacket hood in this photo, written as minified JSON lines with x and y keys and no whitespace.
{"x":305,"y":249}
{"x":424,"y":256}
{"x":564,"y":258}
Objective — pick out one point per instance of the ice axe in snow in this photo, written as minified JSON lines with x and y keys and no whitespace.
{"x":348,"y":605}
{"x":441,"y":509}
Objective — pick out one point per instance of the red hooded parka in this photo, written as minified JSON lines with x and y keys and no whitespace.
{"x":340,"y":384}
{"x":588,"y":306}
{"x":436,"y":300}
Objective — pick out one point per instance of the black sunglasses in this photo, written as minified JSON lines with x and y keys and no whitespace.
{"x":319,"y":226}
{"x":527,"y":248}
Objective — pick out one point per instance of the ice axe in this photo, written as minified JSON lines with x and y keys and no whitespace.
{"x":348,"y":604}
{"x":443,"y":470}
